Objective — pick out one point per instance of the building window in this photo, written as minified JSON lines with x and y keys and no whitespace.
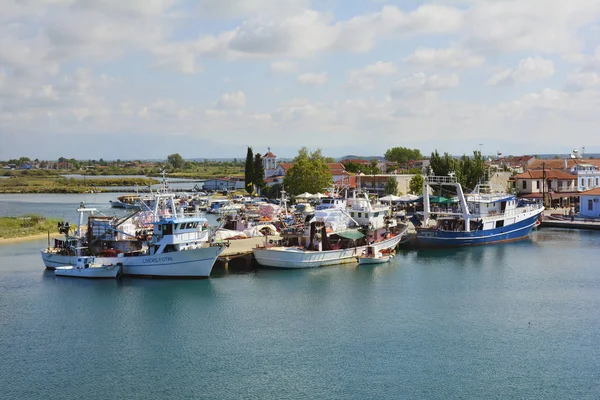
{"x":590,"y":205}
{"x":589,"y":182}
{"x":537,"y":184}
{"x":582,"y":182}
{"x":524,"y":184}
{"x":596,"y":181}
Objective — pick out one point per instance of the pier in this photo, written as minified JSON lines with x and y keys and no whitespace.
{"x":238,"y":256}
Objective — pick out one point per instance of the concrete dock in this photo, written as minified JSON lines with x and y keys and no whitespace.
{"x":559,"y":218}
{"x":238,"y":256}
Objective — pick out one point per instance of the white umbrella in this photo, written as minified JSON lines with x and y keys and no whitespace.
{"x":305,"y":195}
{"x":390,"y":197}
{"x":408,"y":197}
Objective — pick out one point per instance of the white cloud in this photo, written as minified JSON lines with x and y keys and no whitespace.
{"x":582,"y":81}
{"x":283,"y":67}
{"x":234,"y":100}
{"x":366,"y":78}
{"x":544,"y":26}
{"x":240,"y":8}
{"x":307,"y":32}
{"x":420,"y":82}
{"x":313,"y":79}
{"x":451,"y":57}
{"x":180,"y":57}
{"x":529,"y":70}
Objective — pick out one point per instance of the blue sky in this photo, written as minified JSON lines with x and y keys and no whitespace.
{"x":147,"y":78}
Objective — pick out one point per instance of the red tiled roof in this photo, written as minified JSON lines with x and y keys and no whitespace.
{"x":336,"y":168}
{"x":560,"y":164}
{"x":269,"y":154}
{"x":550,"y":174}
{"x":591,"y":192}
{"x":286,"y":166}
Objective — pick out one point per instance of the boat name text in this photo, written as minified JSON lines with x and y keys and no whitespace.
{"x":157,"y":260}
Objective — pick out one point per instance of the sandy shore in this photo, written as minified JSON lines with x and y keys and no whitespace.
{"x":25,"y":238}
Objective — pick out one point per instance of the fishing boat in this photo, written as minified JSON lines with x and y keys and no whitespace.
{"x":484,"y":216}
{"x":178,"y":244}
{"x":127,"y":202}
{"x":87,"y":267}
{"x":333,"y":236}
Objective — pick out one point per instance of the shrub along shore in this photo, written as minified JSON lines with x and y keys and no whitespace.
{"x":25,"y":226}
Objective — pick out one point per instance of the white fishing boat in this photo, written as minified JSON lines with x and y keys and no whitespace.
{"x":87,"y":267}
{"x":334,"y":236}
{"x":178,"y":245}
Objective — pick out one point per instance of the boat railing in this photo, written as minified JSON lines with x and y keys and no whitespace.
{"x":440,"y":179}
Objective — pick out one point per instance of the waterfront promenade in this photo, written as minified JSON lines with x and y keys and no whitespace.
{"x":559,"y":218}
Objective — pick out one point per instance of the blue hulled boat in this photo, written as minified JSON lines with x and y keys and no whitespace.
{"x":481,"y":217}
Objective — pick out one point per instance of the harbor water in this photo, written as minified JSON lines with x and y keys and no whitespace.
{"x":509,"y":321}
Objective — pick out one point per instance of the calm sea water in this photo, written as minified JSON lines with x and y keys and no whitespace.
{"x":512,"y":321}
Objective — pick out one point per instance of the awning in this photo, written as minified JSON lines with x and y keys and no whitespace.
{"x":350,"y":234}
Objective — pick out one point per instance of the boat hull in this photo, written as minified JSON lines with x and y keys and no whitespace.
{"x":102,"y":272}
{"x":295,"y":257}
{"x":438,"y":238}
{"x":373,"y":260}
{"x":194,"y":263}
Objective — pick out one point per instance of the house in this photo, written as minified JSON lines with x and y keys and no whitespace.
{"x":376,"y":183}
{"x":589,"y":203}
{"x":338,"y":171}
{"x":588,"y":176}
{"x":560,"y":186}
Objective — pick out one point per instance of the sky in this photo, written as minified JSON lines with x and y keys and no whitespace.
{"x":142,"y":79}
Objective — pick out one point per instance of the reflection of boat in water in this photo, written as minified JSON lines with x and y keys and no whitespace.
{"x":334,"y":236}
{"x":86,"y":267}
{"x":177,"y":246}
{"x":481,"y":217}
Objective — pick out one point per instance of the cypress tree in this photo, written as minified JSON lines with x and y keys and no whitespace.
{"x":259,"y":172}
{"x":249,"y":171}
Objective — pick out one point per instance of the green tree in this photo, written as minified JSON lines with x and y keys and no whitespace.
{"x":441,"y":166}
{"x":391,"y":186}
{"x":416,"y":184}
{"x":402,"y":155}
{"x":259,"y":172}
{"x":310,"y":173}
{"x":176,"y":161}
{"x":249,"y":171}
{"x":471,"y":170}
{"x":352,"y":167}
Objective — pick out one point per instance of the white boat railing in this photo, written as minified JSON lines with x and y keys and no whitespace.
{"x":440,"y":179}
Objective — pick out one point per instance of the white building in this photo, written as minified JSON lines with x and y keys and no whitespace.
{"x":588,"y":176}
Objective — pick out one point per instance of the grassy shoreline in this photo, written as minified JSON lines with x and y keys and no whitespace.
{"x":71,"y":185}
{"x":25,"y":226}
